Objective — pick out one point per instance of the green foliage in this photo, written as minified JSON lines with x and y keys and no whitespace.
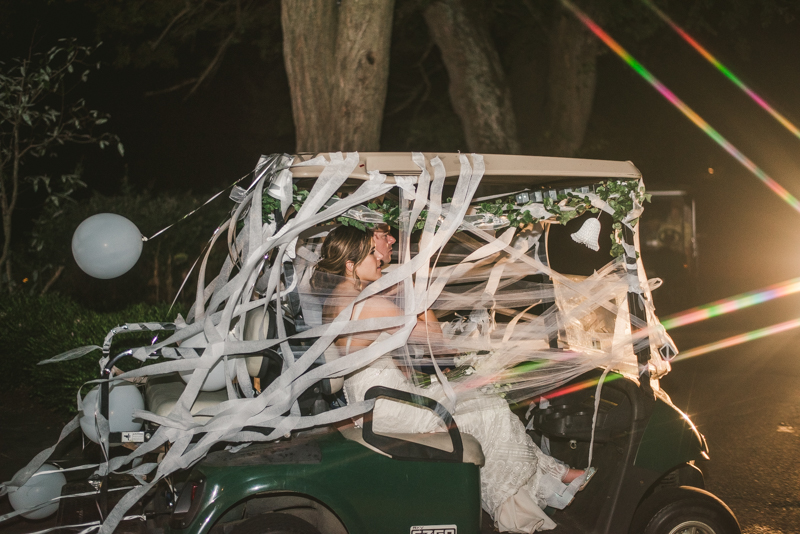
{"x":33,"y":117}
{"x":517,"y":216}
{"x":618,"y":194}
{"x":270,"y":204}
{"x":298,"y":198}
{"x":390,"y":210}
{"x":347,"y":221}
{"x":165,"y":261}
{"x":37,"y":117}
{"x":507,"y":208}
{"x":34,"y":328}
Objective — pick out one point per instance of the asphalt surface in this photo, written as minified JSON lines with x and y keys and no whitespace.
{"x":744,"y":399}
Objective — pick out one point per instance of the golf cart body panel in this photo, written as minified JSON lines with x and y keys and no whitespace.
{"x":670,"y":439}
{"x":352,"y":481}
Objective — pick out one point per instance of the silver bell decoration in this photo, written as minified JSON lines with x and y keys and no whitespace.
{"x":588,"y":234}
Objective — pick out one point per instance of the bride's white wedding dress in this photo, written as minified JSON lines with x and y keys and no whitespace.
{"x":517,"y":478}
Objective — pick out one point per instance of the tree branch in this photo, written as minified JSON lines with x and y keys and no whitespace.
{"x":175,"y":19}
{"x":171,"y":89}
{"x":215,"y":61}
{"x":52,"y":279}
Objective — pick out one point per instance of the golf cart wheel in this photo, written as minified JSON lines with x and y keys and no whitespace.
{"x":684,"y":510}
{"x":275,"y":524}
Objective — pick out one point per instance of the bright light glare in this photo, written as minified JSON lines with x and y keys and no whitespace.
{"x":724,"y":70}
{"x":731,"y":304}
{"x":686,"y":110}
{"x":741,"y":338}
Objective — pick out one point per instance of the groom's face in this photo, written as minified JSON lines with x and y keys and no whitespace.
{"x":383,"y":241}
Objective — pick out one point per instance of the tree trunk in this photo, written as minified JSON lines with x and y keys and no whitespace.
{"x":8,"y":202}
{"x":478,"y":89}
{"x":337,"y":62}
{"x":309,"y":37}
{"x":572,"y":77}
{"x":5,"y":256}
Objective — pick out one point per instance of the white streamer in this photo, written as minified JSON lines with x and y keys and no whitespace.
{"x":475,"y":274}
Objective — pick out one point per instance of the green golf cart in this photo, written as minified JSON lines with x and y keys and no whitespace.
{"x":332,"y":476}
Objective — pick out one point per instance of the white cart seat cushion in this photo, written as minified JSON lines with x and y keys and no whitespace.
{"x":163,"y":392}
{"x":473,"y":453}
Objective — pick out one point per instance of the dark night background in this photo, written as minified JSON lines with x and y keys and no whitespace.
{"x":202,"y":143}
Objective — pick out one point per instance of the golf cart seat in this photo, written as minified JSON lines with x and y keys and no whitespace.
{"x":163,"y":392}
{"x":450,"y":446}
{"x":473,"y":453}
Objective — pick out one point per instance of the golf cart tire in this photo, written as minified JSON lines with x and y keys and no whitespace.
{"x":667,"y":510}
{"x":275,"y":524}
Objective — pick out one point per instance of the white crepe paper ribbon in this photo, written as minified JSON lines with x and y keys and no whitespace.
{"x":314,"y":162}
{"x":406,"y":183}
{"x":281,"y":188}
{"x":364,"y":214}
{"x":537,"y":210}
{"x":71,"y":354}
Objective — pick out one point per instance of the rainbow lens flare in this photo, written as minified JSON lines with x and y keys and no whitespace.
{"x":727,"y":305}
{"x":724,"y":70}
{"x":777,"y":188}
{"x":592,"y":382}
{"x":738,"y":340}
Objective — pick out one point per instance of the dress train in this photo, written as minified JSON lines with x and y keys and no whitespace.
{"x":517,"y":478}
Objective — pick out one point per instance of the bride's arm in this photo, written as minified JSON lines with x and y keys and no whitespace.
{"x":426,"y":330}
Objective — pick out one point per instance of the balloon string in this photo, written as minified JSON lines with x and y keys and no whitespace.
{"x":275,"y":171}
{"x":196,"y":209}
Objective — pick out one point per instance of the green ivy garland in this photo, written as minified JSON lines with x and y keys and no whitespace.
{"x":270,"y":204}
{"x":618,"y":194}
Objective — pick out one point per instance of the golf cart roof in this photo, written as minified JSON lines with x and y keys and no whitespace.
{"x":500,"y":169}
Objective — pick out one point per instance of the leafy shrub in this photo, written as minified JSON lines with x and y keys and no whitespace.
{"x":34,"y":328}
{"x":165,"y":261}
{"x":37,"y":118}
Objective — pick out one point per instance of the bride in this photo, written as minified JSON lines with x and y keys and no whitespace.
{"x":518,"y":479}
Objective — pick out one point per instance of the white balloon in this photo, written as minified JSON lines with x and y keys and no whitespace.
{"x":38,"y":490}
{"x":215,"y":380}
{"x":106,"y":245}
{"x":123,"y":399}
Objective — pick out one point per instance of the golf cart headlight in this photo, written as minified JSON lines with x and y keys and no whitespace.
{"x":188,"y":504}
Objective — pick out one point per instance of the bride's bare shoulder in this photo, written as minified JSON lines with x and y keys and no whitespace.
{"x":375,"y":306}
{"x":344,"y":289}
{"x":339,"y":298}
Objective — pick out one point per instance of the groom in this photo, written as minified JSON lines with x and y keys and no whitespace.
{"x":383,"y":240}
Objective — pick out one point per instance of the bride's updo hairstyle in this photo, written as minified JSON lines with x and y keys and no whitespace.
{"x":342,"y":244}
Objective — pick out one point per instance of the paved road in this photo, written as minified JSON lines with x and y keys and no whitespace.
{"x":746,"y":400}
